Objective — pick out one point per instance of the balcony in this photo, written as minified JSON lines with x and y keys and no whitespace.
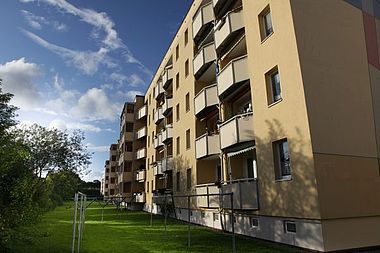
{"x":158,"y":141}
{"x":142,"y":112}
{"x":221,"y":7}
{"x":245,"y":193}
{"x":159,"y":91}
{"x":202,"y":22}
{"x":167,"y":164}
{"x":167,"y":133}
{"x":167,"y":77}
{"x":140,"y":176}
{"x":158,"y":116}
{"x":157,"y":169}
{"x":206,"y":99}
{"x":233,"y":74}
{"x":141,"y":197}
{"x":234,"y":23}
{"x":141,"y":153}
{"x":167,"y":106}
{"x":204,"y":58}
{"x":207,"y":145}
{"x":208,"y":201}
{"x":141,"y":133}
{"x":236,"y":130}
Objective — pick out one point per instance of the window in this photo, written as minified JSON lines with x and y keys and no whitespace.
{"x":186,"y":36}
{"x":188,"y":179}
{"x":151,"y":186}
{"x":187,"y":68}
{"x":147,"y":165}
{"x":113,"y":168}
{"x":130,"y":108}
{"x":107,"y":170}
{"x":177,"y":52}
{"x":282,"y":160}
{"x":203,"y":215}
{"x":113,"y":158}
{"x":188,"y":145}
{"x":187,"y":102}
{"x":148,"y":119}
{"x":127,"y":166}
{"x":273,"y":86}
{"x":112,"y":191}
{"x":177,"y":112}
{"x":178,"y":146}
{"x":149,"y":98}
{"x":114,"y":147}
{"x":127,"y":187}
{"x":129,"y":146}
{"x":265,"y":21}
{"x":112,"y":180}
{"x":177,"y":81}
{"x":178,"y":181}
{"x":215,"y":216}
{"x":147,"y":186}
{"x":129,"y":127}
{"x":254,"y":222}
{"x":290,"y":227}
{"x":153,"y":137}
{"x":107,"y":177}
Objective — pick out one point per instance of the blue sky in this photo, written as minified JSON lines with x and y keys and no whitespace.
{"x":71,"y":64}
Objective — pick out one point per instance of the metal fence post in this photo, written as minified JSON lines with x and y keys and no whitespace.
{"x":74,"y":222}
{"x":80,"y":223}
{"x":233,"y":223}
{"x":151,"y":213}
{"x":166,"y":215}
{"x":188,"y":225}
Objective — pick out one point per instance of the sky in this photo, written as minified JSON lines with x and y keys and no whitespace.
{"x":71,"y":64}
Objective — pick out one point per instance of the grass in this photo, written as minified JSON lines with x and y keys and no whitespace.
{"x":130,"y":231}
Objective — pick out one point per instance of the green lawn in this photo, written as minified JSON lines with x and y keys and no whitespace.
{"x":127,"y":231}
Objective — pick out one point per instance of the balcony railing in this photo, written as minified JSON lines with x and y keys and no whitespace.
{"x":207,"y":145}
{"x":245,"y":193}
{"x":238,"y":129}
{"x":208,"y":201}
{"x":167,"y":77}
{"x":235,"y":72}
{"x":203,"y":59}
{"x":142,"y":112}
{"x":167,"y":164}
{"x":167,"y":133}
{"x":141,"y":132}
{"x":158,"y":141}
{"x":140,"y":176}
{"x":141,"y":197}
{"x":141,"y":153}
{"x":167,"y":106}
{"x":159,"y":90}
{"x":202,"y":20}
{"x":158,"y":116}
{"x":157,"y":169}
{"x":206,"y":98}
{"x":234,"y":22}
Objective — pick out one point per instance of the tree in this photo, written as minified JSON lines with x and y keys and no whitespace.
{"x":7,"y":112}
{"x":64,"y":185}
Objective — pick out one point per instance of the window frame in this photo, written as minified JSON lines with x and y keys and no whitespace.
{"x":265,"y":30}
{"x":279,"y":165}
{"x":188,"y":139}
{"x":272,"y":87}
{"x":187,"y":102}
{"x":286,"y":228}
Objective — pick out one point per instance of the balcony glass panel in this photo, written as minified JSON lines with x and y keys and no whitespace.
{"x":204,"y":16}
{"x":205,"y":56}
{"x":207,"y":145}
{"x":236,"y":130}
{"x":233,"y":22}
{"x":207,"y":97}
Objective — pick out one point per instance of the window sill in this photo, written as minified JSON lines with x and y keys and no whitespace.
{"x":266,"y":38}
{"x":284,"y":179}
{"x":275,"y":103}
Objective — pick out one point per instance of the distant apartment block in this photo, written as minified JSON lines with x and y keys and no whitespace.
{"x":275,"y":101}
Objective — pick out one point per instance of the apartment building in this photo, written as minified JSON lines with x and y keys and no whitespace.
{"x":109,"y":182}
{"x":277,"y":102}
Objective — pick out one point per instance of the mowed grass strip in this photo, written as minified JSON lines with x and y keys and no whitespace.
{"x":130,"y":231}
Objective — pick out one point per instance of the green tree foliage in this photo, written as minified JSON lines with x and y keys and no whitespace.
{"x":38,"y":169}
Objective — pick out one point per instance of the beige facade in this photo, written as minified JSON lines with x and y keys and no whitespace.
{"x":275,"y":101}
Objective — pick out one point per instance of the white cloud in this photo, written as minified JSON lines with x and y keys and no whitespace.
{"x":94,"y":148}
{"x":58,"y":124}
{"x":119,"y":78}
{"x":18,"y":78}
{"x":135,"y":80}
{"x":36,"y":22}
{"x":95,"y":105}
{"x":130,"y":95}
{"x":63,"y":125}
{"x":101,"y":22}
{"x":87,"y":61}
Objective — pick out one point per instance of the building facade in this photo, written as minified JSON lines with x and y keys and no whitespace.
{"x":275,"y":101}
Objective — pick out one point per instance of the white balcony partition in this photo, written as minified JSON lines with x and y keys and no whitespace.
{"x":167,"y":106}
{"x":167,"y":164}
{"x":141,"y":132}
{"x":142,"y":112}
{"x":206,"y":55}
{"x":140,"y":176}
{"x":158,"y":90}
{"x":234,"y":21}
{"x":157,"y":169}
{"x":236,"y":130}
{"x":167,"y":76}
{"x":140,"y":197}
{"x":207,"y":145}
{"x":245,"y":193}
{"x":212,"y":201}
{"x":235,"y":72}
{"x":141,"y":153}
{"x":167,"y":133}
{"x":158,"y":116}
{"x":204,"y":16}
{"x":207,"y":97}
{"x":158,"y":140}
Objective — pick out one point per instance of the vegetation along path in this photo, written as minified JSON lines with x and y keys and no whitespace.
{"x":130,"y":231}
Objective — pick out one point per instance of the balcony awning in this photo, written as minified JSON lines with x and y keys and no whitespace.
{"x":241,"y":151}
